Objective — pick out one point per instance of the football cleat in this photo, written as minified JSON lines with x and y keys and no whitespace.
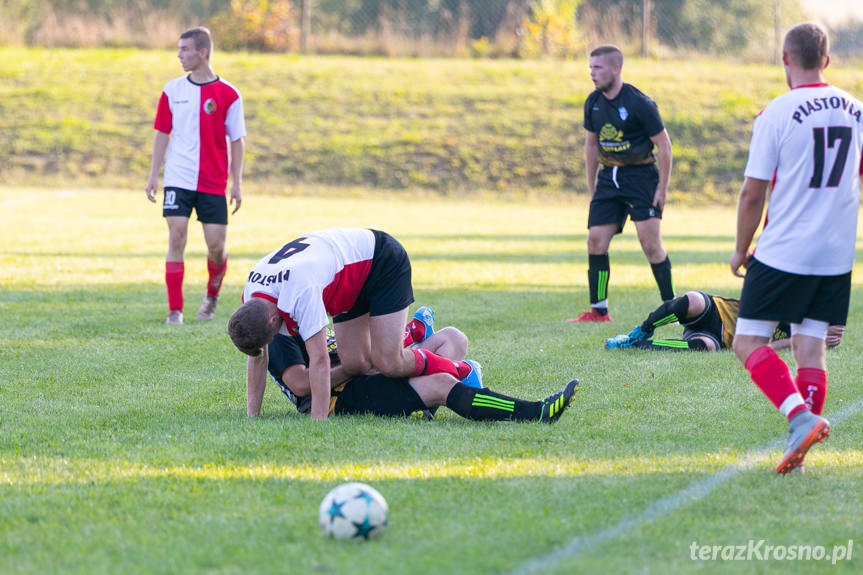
{"x":807,"y":429}
{"x":555,"y":404}
{"x":175,"y":317}
{"x":425,"y":316}
{"x":207,"y":311}
{"x":590,"y":316}
{"x":627,"y":340}
{"x":474,"y":378}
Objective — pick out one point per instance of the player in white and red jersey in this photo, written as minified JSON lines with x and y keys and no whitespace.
{"x":362,"y":279}
{"x":809,"y":143}
{"x":198,"y":115}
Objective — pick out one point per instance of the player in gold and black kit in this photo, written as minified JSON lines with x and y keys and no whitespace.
{"x":708,"y":325}
{"x":624,"y":177}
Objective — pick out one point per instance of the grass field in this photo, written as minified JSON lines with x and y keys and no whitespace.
{"x":124,"y":445}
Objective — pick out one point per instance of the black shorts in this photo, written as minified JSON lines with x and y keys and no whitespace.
{"x":773,"y":295}
{"x":379,"y":395}
{"x":627,"y":191}
{"x":388,"y":286}
{"x":211,"y":209}
{"x":708,"y":324}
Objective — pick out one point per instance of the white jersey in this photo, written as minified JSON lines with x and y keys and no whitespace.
{"x":200,"y":118}
{"x":809,"y":142}
{"x":315,"y":276}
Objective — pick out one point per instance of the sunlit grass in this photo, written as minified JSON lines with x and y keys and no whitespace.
{"x":124,"y":445}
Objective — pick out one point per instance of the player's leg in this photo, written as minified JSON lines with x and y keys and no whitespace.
{"x":390,"y":357}
{"x":217,"y":265}
{"x":773,"y":378}
{"x":213,"y":214}
{"x":650,"y":238}
{"x":175,"y":266}
{"x":448,"y":342}
{"x":598,"y":271}
{"x":808,"y":347}
{"x":638,"y":185}
{"x":692,"y":343}
{"x":483,"y":404}
{"x":355,"y":344}
{"x":690,"y":306}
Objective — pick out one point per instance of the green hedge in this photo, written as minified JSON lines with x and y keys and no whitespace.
{"x":455,"y":126}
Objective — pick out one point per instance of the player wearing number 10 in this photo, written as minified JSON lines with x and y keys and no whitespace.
{"x":359,"y":277}
{"x":197,"y":115}
{"x":809,"y":142}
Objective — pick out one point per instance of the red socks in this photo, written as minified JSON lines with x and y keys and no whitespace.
{"x":216,"y":273}
{"x":415,"y":331}
{"x":812,"y":384}
{"x":771,"y":375}
{"x":174,"y":282}
{"x":428,"y":363}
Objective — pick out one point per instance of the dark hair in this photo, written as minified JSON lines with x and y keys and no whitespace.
{"x":807,"y":44}
{"x":201,"y":36}
{"x":609,"y":50}
{"x":248,"y":326}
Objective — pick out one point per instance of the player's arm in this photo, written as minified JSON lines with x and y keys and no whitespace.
{"x":750,"y":207}
{"x":319,"y":374}
{"x":591,"y":160}
{"x":160,"y":145}
{"x":663,"y":162}
{"x":238,"y":148}
{"x":256,"y":382}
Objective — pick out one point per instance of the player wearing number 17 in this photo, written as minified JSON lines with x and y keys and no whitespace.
{"x":809,"y":142}
{"x":359,"y":277}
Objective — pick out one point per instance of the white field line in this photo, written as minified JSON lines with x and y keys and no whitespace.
{"x":662,"y":507}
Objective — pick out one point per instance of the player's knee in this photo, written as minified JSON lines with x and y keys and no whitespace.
{"x":177,"y":238}
{"x":709,"y":344}
{"x":390,"y":364}
{"x":456,"y":342}
{"x":742,"y":349}
{"x":433,"y":389}
{"x":355,"y":364}
{"x":696,"y":304}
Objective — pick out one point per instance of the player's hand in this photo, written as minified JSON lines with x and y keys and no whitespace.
{"x":236,"y":198}
{"x":152,"y":188}
{"x":739,"y":260}
{"x":659,"y":199}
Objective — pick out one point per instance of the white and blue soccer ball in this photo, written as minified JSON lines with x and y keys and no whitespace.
{"x":353,"y":511}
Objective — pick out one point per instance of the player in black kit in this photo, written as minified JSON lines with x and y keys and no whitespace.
{"x":623,"y":126}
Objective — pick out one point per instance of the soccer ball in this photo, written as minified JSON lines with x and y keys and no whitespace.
{"x":353,"y":511}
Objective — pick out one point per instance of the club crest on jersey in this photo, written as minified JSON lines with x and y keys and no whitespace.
{"x":624,"y":113}
{"x":209,"y":106}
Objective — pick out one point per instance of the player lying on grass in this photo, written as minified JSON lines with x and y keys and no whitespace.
{"x":359,"y":277}
{"x":381,"y":395}
{"x":708,"y":325}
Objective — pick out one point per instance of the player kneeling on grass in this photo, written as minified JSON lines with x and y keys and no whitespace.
{"x":420,"y":396}
{"x":708,"y":325}
{"x":362,"y":279}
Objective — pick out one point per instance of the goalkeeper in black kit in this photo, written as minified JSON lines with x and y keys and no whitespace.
{"x":708,"y":325}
